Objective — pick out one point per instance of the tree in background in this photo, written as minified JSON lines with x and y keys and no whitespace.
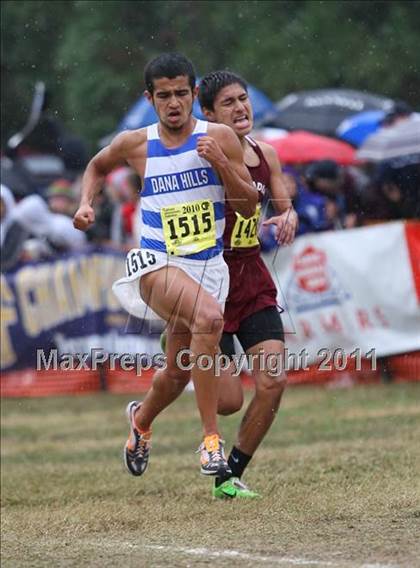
{"x":92,"y":53}
{"x":30,"y":33}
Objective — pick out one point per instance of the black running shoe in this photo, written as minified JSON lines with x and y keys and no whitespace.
{"x":137,"y":447}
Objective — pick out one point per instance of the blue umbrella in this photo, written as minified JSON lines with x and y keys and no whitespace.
{"x":142,"y":112}
{"x":358,"y":127}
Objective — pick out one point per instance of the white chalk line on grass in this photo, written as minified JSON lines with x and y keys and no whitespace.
{"x":209,"y":553}
{"x":236,"y":554}
{"x":206,"y":552}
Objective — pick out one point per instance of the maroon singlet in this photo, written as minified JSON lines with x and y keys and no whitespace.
{"x":251,"y":286}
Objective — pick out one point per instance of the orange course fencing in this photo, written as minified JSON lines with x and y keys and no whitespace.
{"x":32,"y":383}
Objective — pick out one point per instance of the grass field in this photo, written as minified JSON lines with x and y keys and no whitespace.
{"x":339,"y":471}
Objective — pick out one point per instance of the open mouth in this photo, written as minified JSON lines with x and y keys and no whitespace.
{"x":242,"y":120}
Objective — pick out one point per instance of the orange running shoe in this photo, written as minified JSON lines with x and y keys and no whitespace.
{"x":213,"y":460}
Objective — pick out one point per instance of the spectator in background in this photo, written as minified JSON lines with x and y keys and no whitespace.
{"x":324,"y":178}
{"x":12,"y":234}
{"x":407,"y":177}
{"x":130,"y":211}
{"x":51,"y":232}
{"x":353,"y":184}
{"x":118,"y":190}
{"x":400,"y":111}
{"x":394,"y":193}
{"x":100,"y":232}
{"x":311,"y":208}
{"x":61,"y":198}
{"x":343,"y":188}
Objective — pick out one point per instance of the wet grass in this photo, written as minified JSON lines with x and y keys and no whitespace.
{"x":339,"y":475}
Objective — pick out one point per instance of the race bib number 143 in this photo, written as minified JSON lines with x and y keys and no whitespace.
{"x":245,"y":231}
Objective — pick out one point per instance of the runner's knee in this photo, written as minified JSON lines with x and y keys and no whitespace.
{"x":208,"y":320}
{"x":230,"y":405}
{"x":270,"y":386}
{"x":178,"y":377}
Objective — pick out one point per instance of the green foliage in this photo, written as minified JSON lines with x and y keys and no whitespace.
{"x":92,"y":53}
{"x":30,"y":33}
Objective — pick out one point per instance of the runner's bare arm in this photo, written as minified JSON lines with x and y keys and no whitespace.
{"x":223,"y":150}
{"x":287,"y":220}
{"x":110,"y":157}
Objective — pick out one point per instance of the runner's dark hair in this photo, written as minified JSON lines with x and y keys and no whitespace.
{"x":168,"y":65}
{"x":213,"y":83}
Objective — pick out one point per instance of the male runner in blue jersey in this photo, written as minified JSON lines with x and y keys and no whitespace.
{"x":179,"y":271}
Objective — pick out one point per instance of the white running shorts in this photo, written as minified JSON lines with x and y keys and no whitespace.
{"x":212,"y":275}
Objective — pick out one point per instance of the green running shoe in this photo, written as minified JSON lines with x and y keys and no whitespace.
{"x":234,"y":488}
{"x":163,"y":341}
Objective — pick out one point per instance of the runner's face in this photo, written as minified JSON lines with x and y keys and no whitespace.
{"x":173,"y":100}
{"x":233,"y":107}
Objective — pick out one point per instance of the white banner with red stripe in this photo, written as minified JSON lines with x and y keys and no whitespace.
{"x":355,"y":290}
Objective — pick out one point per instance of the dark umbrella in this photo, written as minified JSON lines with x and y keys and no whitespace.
{"x":322,"y":110}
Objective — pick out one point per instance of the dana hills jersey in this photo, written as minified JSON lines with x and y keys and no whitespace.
{"x":251,"y":287}
{"x":182,"y":201}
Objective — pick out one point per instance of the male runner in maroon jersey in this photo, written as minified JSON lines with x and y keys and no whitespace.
{"x":251,"y":309}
